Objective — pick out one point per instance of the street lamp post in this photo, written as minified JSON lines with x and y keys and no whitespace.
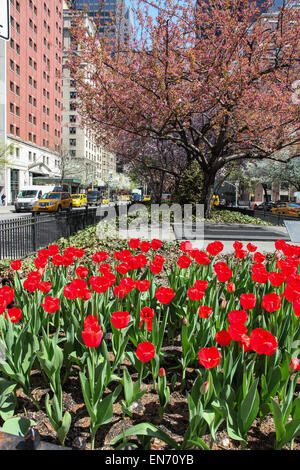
{"x":236,"y":186}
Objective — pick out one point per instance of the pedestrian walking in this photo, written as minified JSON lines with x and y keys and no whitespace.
{"x":3,"y":197}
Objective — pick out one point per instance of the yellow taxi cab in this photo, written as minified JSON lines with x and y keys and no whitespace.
{"x":147,"y":197}
{"x":215,"y":200}
{"x":288,"y":208}
{"x":125,"y":197}
{"x":54,"y":202}
{"x":79,"y":200}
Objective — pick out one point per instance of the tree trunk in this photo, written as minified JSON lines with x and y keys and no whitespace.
{"x":265,"y":188}
{"x":207,"y":192}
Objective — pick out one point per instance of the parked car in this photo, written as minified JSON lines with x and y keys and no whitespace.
{"x":288,"y":208}
{"x":94,"y":198}
{"x":54,"y":202}
{"x":79,"y":200}
{"x":29,"y":195}
{"x":136,"y":197}
{"x":124,"y":197}
{"x":147,"y":197}
{"x":166,"y":197}
{"x":265,"y":206}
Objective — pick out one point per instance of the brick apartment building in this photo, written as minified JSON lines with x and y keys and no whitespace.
{"x":33,"y":58}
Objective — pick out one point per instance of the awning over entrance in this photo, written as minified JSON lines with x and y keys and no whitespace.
{"x":40,"y":169}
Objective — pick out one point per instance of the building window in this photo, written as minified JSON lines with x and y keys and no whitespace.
{"x":72,"y":130}
{"x":11,"y":108}
{"x":11,"y":129}
{"x":72,"y":118}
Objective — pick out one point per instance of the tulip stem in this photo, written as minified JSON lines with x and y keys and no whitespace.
{"x":141,"y":375}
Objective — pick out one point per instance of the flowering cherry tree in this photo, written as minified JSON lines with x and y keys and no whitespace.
{"x":214,"y":81}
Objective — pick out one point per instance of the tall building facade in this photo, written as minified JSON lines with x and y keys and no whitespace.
{"x":114,"y":14}
{"x":84,"y":158}
{"x":33,"y":93}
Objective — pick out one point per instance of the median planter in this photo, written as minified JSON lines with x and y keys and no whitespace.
{"x":126,"y":349}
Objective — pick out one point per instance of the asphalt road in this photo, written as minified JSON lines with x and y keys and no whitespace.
{"x":228,"y":232}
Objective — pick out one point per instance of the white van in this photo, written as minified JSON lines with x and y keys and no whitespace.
{"x":29,"y":195}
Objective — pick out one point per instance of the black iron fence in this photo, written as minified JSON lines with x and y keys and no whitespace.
{"x":22,"y":236}
{"x":268,"y":216}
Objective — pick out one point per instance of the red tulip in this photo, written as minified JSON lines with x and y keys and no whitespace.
{"x":294,"y":365}
{"x":92,"y":333}
{"x":237,"y":331}
{"x":276,"y":279}
{"x":209,"y":357}
{"x":201,"y":285}
{"x":184,"y":261}
{"x":251,"y":247}
{"x":120,"y":320}
{"x":145,"y":246}
{"x":156,"y":244}
{"x":145,"y":351}
{"x":16,"y":265}
{"x":143,"y":285}
{"x":164,"y":295}
{"x":258,"y":257}
{"x":134,"y":243}
{"x":44,"y":286}
{"x":147,"y":315}
{"x":82,"y":271}
{"x":237,"y":316}
{"x":271,"y":302}
{"x":51,"y":304}
{"x":231,"y":287}
{"x":195,"y":294}
{"x":204,"y":311}
{"x":100,"y":256}
{"x":223,"y":338}
{"x":248,"y":301}
{"x":14,"y":314}
{"x":214,"y":248}
{"x":263,"y":342}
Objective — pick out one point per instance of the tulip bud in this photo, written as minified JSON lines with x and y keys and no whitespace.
{"x":278,"y":255}
{"x":131,"y":307}
{"x":184,"y":321}
{"x":204,"y":388}
{"x":223,"y":303}
{"x":294,"y":365}
{"x":231,"y":287}
{"x":162,"y":372}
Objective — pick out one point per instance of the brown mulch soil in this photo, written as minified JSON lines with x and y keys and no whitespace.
{"x":175,"y":421}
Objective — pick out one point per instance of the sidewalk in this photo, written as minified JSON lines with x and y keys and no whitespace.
{"x":6,"y":209}
{"x":262,"y":246}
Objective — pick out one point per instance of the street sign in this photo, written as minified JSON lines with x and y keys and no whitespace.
{"x":4,"y":20}
{"x":293,"y":228}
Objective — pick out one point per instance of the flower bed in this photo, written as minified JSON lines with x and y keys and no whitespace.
{"x":112,"y":350}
